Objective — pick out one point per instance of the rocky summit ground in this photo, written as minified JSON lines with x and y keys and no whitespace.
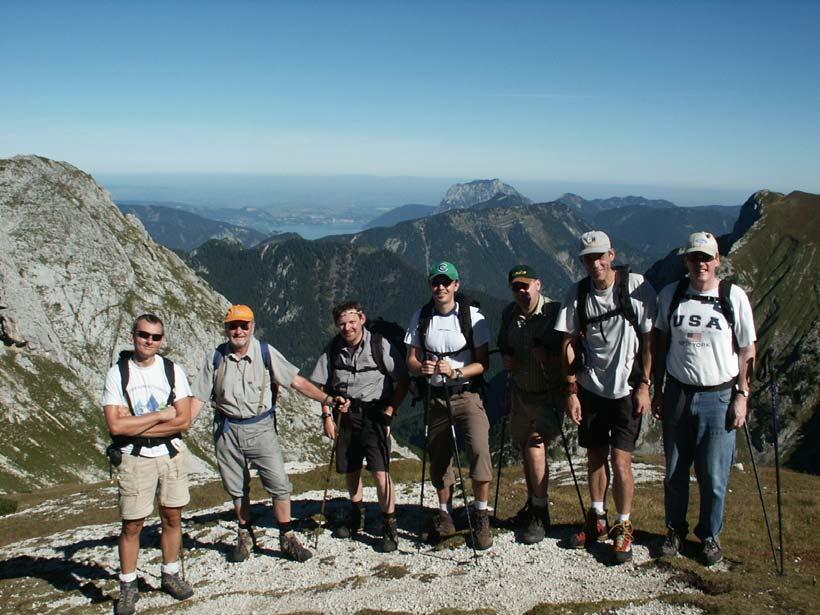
{"x":75,"y":570}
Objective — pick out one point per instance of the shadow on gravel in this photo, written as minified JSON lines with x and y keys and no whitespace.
{"x":63,"y":575}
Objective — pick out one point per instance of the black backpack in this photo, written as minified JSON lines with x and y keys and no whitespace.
{"x":623,"y":308}
{"x":723,"y":300}
{"x":465,"y":323}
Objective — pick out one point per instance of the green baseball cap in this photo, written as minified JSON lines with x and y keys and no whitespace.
{"x":445,"y":268}
{"x":522,"y":271}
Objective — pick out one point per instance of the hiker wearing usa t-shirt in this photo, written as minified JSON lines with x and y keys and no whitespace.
{"x":241,"y":378}
{"x":704,"y":348}
{"x":606,"y":319}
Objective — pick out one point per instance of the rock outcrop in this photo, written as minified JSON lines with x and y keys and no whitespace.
{"x":461,"y":196}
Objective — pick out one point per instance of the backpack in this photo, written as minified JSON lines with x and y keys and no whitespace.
{"x":465,"y":323}
{"x":623,"y":308}
{"x":723,"y":300}
{"x":137,"y":441}
{"x":380,"y":330}
{"x":218,"y":359}
{"x":507,"y":316}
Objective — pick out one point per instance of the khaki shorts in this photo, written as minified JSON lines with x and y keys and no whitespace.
{"x":141,"y":479}
{"x":472,"y":426}
{"x":533,"y":413}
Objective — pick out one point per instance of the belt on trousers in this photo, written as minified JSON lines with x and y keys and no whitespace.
{"x":694,"y":388}
{"x":457,"y":389}
{"x":228,"y":420}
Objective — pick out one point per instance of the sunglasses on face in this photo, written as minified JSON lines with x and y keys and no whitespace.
{"x":445,"y":282}
{"x":519,"y":286}
{"x":238,"y":324}
{"x":699,"y":257}
{"x":157,"y":337}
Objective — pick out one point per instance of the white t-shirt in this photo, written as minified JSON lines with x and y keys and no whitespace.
{"x":611,"y":344}
{"x":148,"y":390}
{"x":444,"y":335}
{"x":700,"y":350}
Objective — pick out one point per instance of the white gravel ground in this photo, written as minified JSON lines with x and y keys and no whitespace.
{"x":345,"y":576}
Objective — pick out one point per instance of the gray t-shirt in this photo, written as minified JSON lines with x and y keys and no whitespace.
{"x":611,"y":345}
{"x":701,"y":352}
{"x":246,"y":384}
{"x":364,"y":381}
{"x":444,"y":335}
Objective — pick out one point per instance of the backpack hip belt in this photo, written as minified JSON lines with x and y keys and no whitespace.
{"x":227,"y":421}
{"x":138,"y":443}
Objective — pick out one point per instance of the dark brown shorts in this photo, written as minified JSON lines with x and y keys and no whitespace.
{"x":362,"y":437}
{"x":607,"y":422}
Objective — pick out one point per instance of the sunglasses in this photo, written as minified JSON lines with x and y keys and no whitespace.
{"x":238,"y":324}
{"x":699,"y":257}
{"x":157,"y":337}
{"x":519,"y":286}
{"x":445,"y":282}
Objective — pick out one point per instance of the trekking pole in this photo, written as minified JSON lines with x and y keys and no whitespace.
{"x":760,"y":491}
{"x":506,"y":414}
{"x":569,"y":460}
{"x":427,"y":393}
{"x":769,"y":371}
{"x":458,"y":465}
{"x":322,"y":519}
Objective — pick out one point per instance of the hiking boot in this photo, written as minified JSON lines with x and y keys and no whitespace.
{"x":442,"y":526}
{"x":353,"y":524}
{"x":481,"y":530}
{"x":536,"y":527}
{"x":129,"y":594}
{"x":521,"y":519}
{"x":175,"y":586}
{"x":244,"y":544}
{"x":712,"y":552}
{"x":290,"y":546}
{"x":673,"y":543}
{"x":390,"y":534}
{"x":621,"y":534}
{"x":596,"y":529}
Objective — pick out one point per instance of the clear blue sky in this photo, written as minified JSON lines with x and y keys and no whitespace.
{"x":687,"y":94}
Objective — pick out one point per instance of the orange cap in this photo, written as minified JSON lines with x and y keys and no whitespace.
{"x":239,"y":312}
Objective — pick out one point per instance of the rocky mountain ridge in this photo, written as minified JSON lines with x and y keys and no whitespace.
{"x":461,"y":196}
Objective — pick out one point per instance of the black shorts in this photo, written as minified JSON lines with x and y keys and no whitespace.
{"x":607,"y":422}
{"x":362,"y":437}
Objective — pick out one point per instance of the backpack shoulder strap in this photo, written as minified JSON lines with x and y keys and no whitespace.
{"x":465,"y":320}
{"x":274,"y":388}
{"x":677,"y":297}
{"x":122,"y":365}
{"x":377,"y":351}
{"x":503,"y":333}
{"x":170,"y":376}
{"x":220,"y":352}
{"x":624,"y":300}
{"x":425,"y":317}
{"x":724,"y":297}
{"x":581,"y":304}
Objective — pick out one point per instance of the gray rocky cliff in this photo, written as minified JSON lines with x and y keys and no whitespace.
{"x":460,"y":196}
{"x":74,"y":273}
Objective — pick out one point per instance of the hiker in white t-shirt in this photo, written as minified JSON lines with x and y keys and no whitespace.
{"x":147,"y":406}
{"x":704,"y":348}
{"x":606,"y":319}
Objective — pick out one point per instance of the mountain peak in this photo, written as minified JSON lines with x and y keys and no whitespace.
{"x":460,"y":196}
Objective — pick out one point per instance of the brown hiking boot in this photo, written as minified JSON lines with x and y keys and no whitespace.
{"x":390,"y":534}
{"x":244,"y":543}
{"x":442,"y":526}
{"x":596,"y":529}
{"x":290,"y":546}
{"x":621,"y":542}
{"x":129,"y":594}
{"x":176,"y":586}
{"x":481,"y":530}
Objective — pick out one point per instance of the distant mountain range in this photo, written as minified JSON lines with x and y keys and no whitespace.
{"x":462,"y":196}
{"x":183,"y":230}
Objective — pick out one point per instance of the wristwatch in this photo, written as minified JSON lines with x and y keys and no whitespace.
{"x":458,"y":374}
{"x":743,"y":392}
{"x":572,"y":388}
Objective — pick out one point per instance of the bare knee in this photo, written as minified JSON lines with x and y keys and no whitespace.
{"x":171,"y":517}
{"x":131,"y":529}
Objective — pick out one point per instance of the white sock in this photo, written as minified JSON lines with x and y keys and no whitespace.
{"x":599,"y":507}
{"x":539,"y":502}
{"x":480,"y":504}
{"x":128,"y":577}
{"x":445,"y":507}
{"x":621,"y":518}
{"x":172,"y":568}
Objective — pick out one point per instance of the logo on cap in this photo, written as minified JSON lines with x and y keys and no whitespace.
{"x":442,"y":267}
